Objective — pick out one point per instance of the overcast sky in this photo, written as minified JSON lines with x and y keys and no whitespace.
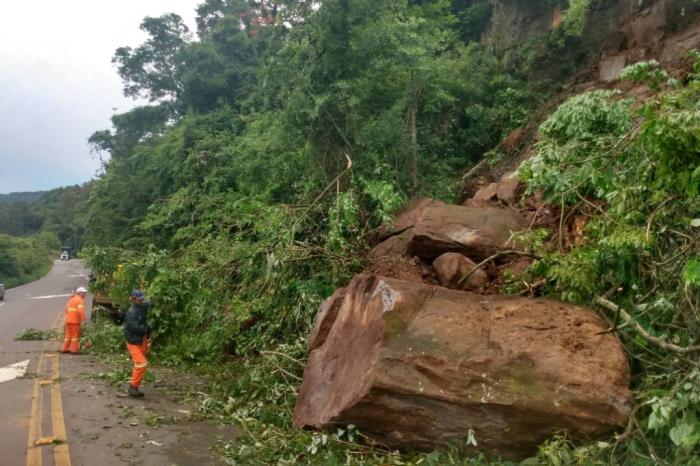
{"x":58,"y":85}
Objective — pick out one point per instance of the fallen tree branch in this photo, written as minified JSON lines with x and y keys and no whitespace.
{"x":474,"y":169}
{"x":281,"y":369}
{"x":660,"y":342}
{"x":653,"y":215}
{"x":498,"y":255}
{"x":276,"y":353}
{"x":320,"y":196}
{"x":531,"y":287}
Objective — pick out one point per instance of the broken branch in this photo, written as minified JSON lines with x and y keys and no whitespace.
{"x":660,"y":342}
{"x":498,"y":255}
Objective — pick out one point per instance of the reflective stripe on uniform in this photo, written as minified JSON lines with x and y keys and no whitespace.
{"x":141,"y":365}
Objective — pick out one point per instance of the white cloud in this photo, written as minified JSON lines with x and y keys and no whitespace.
{"x":58,"y":85}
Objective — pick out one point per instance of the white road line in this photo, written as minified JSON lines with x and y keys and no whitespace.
{"x":51,"y":296}
{"x":13,"y":371}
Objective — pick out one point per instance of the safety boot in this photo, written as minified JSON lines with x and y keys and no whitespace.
{"x":135,"y":392}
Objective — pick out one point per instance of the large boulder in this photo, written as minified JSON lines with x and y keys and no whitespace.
{"x":427,"y":228}
{"x":416,"y":366}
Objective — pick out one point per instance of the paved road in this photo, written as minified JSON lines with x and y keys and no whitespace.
{"x":33,"y":402}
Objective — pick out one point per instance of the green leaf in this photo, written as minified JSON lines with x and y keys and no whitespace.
{"x":691,"y":272}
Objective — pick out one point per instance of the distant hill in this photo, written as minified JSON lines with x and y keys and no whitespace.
{"x":28,"y":197}
{"x":59,"y":211}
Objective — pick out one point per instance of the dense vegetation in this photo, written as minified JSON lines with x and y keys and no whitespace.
{"x":232,"y":196}
{"x":279,"y":138}
{"x":25,"y":259}
{"x":33,"y":227}
{"x":631,"y":169}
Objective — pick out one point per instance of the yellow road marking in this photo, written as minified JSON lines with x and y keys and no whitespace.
{"x":61,"y":452}
{"x":34,"y":453}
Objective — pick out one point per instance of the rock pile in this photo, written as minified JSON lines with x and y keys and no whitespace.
{"x":415,"y":365}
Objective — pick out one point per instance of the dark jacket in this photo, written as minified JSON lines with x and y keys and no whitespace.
{"x":135,"y":327}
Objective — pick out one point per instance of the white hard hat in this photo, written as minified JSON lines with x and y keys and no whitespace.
{"x":81,"y":289}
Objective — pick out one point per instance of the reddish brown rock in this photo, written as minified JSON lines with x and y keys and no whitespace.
{"x":487,"y":193}
{"x":412,"y":213}
{"x":415,"y":366}
{"x":430,"y":228}
{"x":397,"y":245}
{"x":477,"y":232}
{"x":509,"y":189}
{"x":452,"y":267}
{"x":513,"y":140}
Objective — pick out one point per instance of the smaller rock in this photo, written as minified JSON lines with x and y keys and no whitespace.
{"x":487,"y":193}
{"x":513,"y":140}
{"x":451,"y":267}
{"x":509,"y":189}
{"x":411,"y":214}
{"x":397,"y":245}
{"x":610,"y":68}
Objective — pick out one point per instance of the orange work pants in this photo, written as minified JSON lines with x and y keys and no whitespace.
{"x":138,"y":355}
{"x":71,"y":339}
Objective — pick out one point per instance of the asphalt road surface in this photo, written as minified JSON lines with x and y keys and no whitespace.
{"x":31,"y":405}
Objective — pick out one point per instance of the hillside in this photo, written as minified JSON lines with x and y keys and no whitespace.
{"x":28,"y":197}
{"x":34,"y":226}
{"x":550,"y":147}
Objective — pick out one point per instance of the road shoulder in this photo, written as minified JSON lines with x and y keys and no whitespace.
{"x":106,"y":427}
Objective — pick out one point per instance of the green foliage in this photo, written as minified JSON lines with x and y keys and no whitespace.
{"x":103,"y":337}
{"x":674,"y":416}
{"x":230,"y":199}
{"x":637,"y":173}
{"x":576,"y":17}
{"x":59,"y":211}
{"x":32,"y":333}
{"x":691,"y":272}
{"x":25,"y":259}
{"x":586,"y":116}
{"x":649,"y":72}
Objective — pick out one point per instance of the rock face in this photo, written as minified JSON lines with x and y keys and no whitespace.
{"x":414,"y":366}
{"x":427,"y":228}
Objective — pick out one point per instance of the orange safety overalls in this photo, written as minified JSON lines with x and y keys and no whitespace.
{"x":75,"y":315}
{"x":138,"y":356}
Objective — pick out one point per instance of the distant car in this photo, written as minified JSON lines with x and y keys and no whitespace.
{"x":2,"y":291}
{"x":64,"y":256}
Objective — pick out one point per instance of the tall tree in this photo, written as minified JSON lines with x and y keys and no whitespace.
{"x":152,"y":70}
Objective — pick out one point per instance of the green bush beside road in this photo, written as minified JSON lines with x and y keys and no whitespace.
{"x":25,"y":259}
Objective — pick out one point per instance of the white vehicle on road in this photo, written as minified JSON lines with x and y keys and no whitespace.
{"x":2,"y":291}
{"x":64,"y":256}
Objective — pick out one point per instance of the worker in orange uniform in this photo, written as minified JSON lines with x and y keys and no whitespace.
{"x":75,"y":315}
{"x":137,"y":339}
